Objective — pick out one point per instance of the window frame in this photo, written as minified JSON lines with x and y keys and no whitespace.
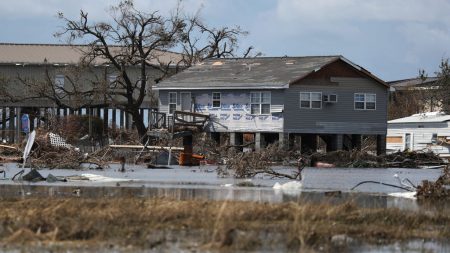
{"x":112,"y":81}
{"x":171,"y":102}
{"x":215,"y":100}
{"x":59,"y":86}
{"x":365,"y":102}
{"x":260,"y":102}
{"x":311,"y":100}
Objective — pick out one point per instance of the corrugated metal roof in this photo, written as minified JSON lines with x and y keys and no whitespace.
{"x":60,"y":54}
{"x":429,"y":117}
{"x":247,"y":73}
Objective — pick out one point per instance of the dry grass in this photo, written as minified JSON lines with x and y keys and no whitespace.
{"x":145,"y":223}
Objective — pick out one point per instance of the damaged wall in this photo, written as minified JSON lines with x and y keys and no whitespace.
{"x":234,"y":113}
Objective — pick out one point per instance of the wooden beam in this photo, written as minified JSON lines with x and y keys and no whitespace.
{"x":148,"y":147}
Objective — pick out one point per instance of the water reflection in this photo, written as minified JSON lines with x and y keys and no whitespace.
{"x":181,"y":192}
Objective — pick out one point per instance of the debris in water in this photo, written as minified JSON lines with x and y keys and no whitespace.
{"x":407,"y":195}
{"x":99,"y":178}
{"x":438,"y":189}
{"x":290,"y":188}
{"x":33,"y":176}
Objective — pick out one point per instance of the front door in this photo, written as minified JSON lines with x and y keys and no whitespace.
{"x":408,"y":142}
{"x":186,"y":104}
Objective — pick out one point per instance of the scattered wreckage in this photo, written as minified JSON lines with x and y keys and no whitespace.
{"x":50,"y":150}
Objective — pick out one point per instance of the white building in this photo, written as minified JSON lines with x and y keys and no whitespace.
{"x":420,"y":132}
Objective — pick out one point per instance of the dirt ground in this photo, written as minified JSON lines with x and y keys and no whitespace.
{"x":158,"y":224}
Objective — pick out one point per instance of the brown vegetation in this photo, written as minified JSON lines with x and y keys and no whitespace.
{"x":358,"y":159}
{"x":250,"y":164}
{"x":439,"y":189}
{"x":149,"y":223}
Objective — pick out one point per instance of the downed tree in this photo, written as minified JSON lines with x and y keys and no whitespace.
{"x":359,"y":159}
{"x":436,"y":190}
{"x":250,"y":164}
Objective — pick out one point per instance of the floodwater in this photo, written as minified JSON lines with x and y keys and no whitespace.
{"x":332,"y":185}
{"x":330,"y":179}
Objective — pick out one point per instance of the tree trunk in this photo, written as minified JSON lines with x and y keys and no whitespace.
{"x":139,"y":123}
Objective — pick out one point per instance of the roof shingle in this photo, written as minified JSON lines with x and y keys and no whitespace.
{"x":263,"y":72}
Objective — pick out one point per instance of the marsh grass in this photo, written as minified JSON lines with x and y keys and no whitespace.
{"x":212,"y":225}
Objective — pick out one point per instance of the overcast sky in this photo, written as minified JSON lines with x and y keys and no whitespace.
{"x":391,"y":38}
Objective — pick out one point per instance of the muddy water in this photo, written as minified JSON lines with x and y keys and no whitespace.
{"x":342,"y":179}
{"x":319,"y":185}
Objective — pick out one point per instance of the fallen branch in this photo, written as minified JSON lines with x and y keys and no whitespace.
{"x":375,"y":182}
{"x":9,"y":147}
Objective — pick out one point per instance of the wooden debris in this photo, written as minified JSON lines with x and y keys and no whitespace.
{"x":357,"y":159}
{"x":9,"y":147}
{"x":148,"y":147}
{"x":436,"y":190}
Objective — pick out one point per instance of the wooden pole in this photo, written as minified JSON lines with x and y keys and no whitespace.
{"x":3,"y":122}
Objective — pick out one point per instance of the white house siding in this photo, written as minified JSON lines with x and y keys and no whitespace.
{"x":234,"y":113}
{"x":421,"y":137}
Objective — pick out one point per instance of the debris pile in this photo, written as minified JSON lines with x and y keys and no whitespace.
{"x":10,"y":153}
{"x":58,"y":154}
{"x":436,"y":190}
{"x":250,"y":164}
{"x":357,"y":159}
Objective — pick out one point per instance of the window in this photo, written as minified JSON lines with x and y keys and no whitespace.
{"x":112,"y":81}
{"x":434,"y":138}
{"x":172,"y":102}
{"x":311,"y":100}
{"x":260,"y":102}
{"x":365,"y":101}
{"x":216,"y":100}
{"x":59,"y":83}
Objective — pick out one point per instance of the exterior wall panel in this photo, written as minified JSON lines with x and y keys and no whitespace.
{"x":421,"y":137}
{"x":234,"y":114}
{"x":340,"y":117}
{"x":37,"y":74}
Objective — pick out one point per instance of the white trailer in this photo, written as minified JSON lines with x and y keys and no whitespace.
{"x":420,"y":132}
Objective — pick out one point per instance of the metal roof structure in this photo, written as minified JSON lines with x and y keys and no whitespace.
{"x":429,"y":117}
{"x":23,"y":54}
{"x":414,"y":83}
{"x":250,"y":73}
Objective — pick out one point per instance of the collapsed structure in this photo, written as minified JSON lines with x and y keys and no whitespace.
{"x":293,"y":100}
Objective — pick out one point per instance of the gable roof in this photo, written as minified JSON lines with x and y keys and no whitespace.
{"x":11,"y":53}
{"x":429,"y":117}
{"x":248,"y":73}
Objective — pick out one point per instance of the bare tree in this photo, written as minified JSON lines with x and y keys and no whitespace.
{"x":131,"y":42}
{"x":82,"y":87}
{"x":131,"y":46}
{"x":444,"y":84}
{"x":439,"y":94}
{"x":408,"y":102}
{"x":200,"y":42}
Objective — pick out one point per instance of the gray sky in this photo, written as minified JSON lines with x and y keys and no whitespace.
{"x":391,"y":38}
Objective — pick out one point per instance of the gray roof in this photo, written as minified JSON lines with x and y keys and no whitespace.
{"x":248,"y":73}
{"x":429,"y":117}
{"x":413,"y":83}
{"x":61,"y":54}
